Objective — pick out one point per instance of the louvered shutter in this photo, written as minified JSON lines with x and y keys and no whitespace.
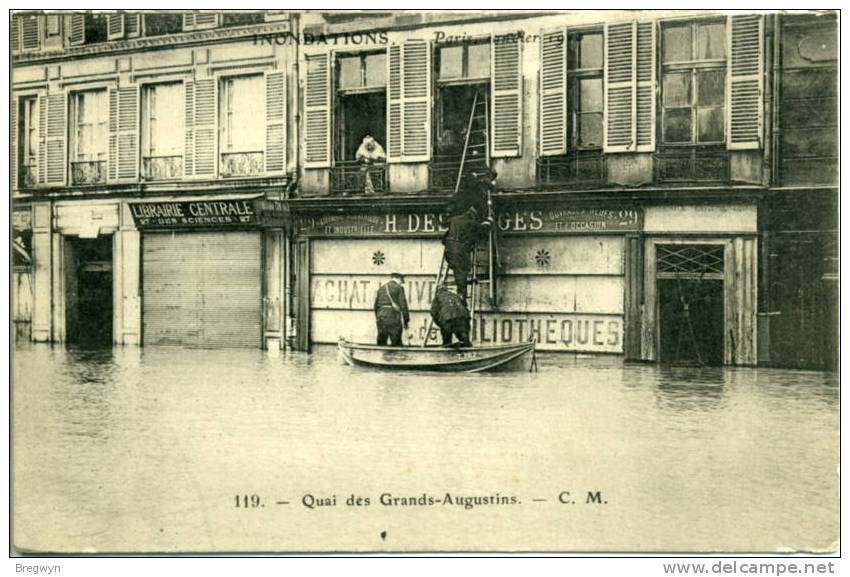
{"x":745,"y":81}
{"x":416,"y":108}
{"x":275,"y":122}
{"x":205,"y":123}
{"x":133,"y":25}
{"x":77,"y":29}
{"x":506,"y":97}
{"x":394,"y":104}
{"x":13,"y":143}
{"x":42,"y":135}
{"x":123,"y":155}
{"x":409,"y":102}
{"x":55,"y":140}
{"x":30,"y":32}
{"x":15,"y":33}
{"x":200,"y":20}
{"x":317,"y":112}
{"x":620,"y":84}
{"x":114,"y":26}
{"x":553,"y":93}
{"x":189,"y":124}
{"x":645,"y":89}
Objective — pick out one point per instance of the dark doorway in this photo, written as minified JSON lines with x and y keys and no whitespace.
{"x":88,"y":291}
{"x":690,"y":321}
{"x":363,"y":114}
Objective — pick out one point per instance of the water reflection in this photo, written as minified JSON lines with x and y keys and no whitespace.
{"x":100,"y":437}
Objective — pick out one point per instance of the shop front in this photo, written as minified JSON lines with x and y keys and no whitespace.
{"x":562,"y":278}
{"x":201,"y":273}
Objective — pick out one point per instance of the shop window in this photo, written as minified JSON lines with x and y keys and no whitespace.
{"x":162,"y":131}
{"x":361,"y":113}
{"x":28,"y":142}
{"x":241,"y":18}
{"x":243,"y":113}
{"x":463,"y":94}
{"x":160,"y":23}
{"x":89,"y":135}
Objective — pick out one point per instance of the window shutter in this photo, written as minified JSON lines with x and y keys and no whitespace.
{"x":15,"y":33}
{"x":645,"y":91}
{"x":394,"y":104}
{"x":620,"y":83}
{"x":553,"y":93}
{"x":206,"y":136}
{"x":506,"y":97}
{"x":30,"y":32}
{"x":745,"y":81}
{"x":13,"y":143}
{"x":77,"y":30}
{"x":112,"y":143}
{"x":409,"y":102}
{"x":42,"y":135}
{"x":123,"y":155}
{"x":55,"y":139}
{"x":114,"y":26}
{"x":275,"y":122}
{"x":189,"y":138}
{"x":133,"y":25}
{"x":200,"y":20}
{"x":317,"y":112}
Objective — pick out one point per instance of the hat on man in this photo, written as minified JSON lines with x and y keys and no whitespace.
{"x":397,"y":275}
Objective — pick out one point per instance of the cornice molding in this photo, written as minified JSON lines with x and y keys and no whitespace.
{"x":152,"y":43}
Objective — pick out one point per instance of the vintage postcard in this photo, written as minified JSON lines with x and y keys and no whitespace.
{"x":424,"y":281}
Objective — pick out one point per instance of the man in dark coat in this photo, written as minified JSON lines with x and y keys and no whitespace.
{"x":391,"y":313}
{"x":460,"y":240}
{"x":451,"y":315}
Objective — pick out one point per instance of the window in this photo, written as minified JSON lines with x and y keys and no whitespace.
{"x":361,"y":111}
{"x":464,"y":62}
{"x":162,"y":131}
{"x":28,"y":141}
{"x":90,"y":116}
{"x":241,"y":18}
{"x":585,"y":101}
{"x":161,"y":23}
{"x":96,"y":28}
{"x":693,"y":84}
{"x":26,"y":33}
{"x":243,"y":113}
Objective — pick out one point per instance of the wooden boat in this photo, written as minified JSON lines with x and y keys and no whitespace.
{"x":444,"y":359}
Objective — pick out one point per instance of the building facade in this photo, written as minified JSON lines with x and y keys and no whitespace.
{"x":658,"y":178}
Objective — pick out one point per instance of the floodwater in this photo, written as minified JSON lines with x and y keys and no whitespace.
{"x":166,"y":449}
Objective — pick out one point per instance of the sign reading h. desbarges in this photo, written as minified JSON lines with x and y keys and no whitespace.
{"x":196,"y":213}
{"x":563,"y":220}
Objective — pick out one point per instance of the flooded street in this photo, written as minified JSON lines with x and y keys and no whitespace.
{"x":165,"y":449}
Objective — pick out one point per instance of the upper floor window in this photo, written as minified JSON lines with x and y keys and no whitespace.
{"x":89,"y":136}
{"x":585,"y":101}
{"x":96,"y":28}
{"x":464,"y":62}
{"x":241,"y":18}
{"x":162,"y":131}
{"x":243,"y":113}
{"x":28,"y":141}
{"x":26,"y":32}
{"x":693,"y":82}
{"x":159,"y":23}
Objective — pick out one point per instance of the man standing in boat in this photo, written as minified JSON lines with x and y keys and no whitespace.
{"x":451,"y":315}
{"x":391,"y":313}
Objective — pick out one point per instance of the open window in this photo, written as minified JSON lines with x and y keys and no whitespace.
{"x":361,"y":117}
{"x":28,"y":122}
{"x":162,"y":131}
{"x":243,"y":112}
{"x":462,"y":117}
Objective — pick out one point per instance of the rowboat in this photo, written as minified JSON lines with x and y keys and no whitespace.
{"x":443,"y":359}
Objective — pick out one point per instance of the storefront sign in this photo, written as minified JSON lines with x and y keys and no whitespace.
{"x":550,"y":220}
{"x":191,"y":214}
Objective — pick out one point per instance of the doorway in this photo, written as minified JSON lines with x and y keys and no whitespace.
{"x":88,"y":291}
{"x":690,"y":304}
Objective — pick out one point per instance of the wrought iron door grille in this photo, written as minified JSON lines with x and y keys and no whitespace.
{"x":690,"y":259}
